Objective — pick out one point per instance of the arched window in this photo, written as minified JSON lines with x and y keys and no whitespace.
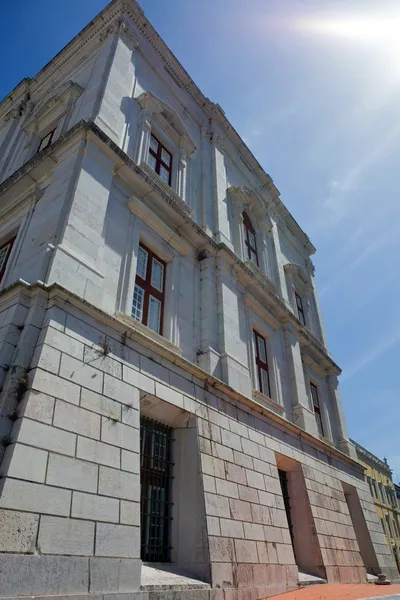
{"x":250,"y":239}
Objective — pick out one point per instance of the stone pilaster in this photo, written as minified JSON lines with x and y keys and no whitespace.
{"x":302,"y":414}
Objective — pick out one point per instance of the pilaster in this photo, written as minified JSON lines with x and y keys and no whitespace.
{"x":302,"y":415}
{"x":343,"y":441}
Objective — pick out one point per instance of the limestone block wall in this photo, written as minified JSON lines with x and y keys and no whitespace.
{"x":69,"y":493}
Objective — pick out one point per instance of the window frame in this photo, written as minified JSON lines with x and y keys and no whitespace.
{"x":49,"y":133}
{"x":149,"y":289}
{"x":158,"y":158}
{"x":248,"y":228}
{"x":317,"y":408}
{"x":301,"y":315}
{"x":10,"y":242}
{"x":260,"y":364}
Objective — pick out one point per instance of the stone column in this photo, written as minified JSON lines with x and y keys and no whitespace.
{"x":144,"y":136}
{"x":182,"y":173}
{"x":315,"y":302}
{"x":221,"y":226}
{"x":342,"y":437}
{"x":281,"y":279}
{"x":302,"y":414}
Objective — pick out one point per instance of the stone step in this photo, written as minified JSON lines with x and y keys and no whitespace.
{"x":305,"y":579}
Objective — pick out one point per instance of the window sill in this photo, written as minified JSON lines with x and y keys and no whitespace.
{"x":268,"y":402}
{"x":167,"y":189}
{"x":326,"y":440}
{"x":260,"y":273}
{"x":156,"y":337}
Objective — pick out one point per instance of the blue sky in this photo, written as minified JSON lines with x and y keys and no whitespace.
{"x":314,"y":89}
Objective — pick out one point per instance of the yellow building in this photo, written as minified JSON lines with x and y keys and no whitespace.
{"x":379,"y":477}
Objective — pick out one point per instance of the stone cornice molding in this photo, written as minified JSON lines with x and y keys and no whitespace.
{"x":372,"y":458}
{"x":156,"y":106}
{"x":135,"y":175}
{"x":247,"y":198}
{"x":54,"y":103}
{"x":299,"y":276}
{"x":154,"y":222}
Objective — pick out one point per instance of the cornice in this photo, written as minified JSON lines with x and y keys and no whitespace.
{"x":97,"y":30}
{"x":374,"y":459}
{"x":129,"y":171}
{"x":58,"y":295}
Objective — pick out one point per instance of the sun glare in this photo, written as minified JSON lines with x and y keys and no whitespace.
{"x":381,"y":30}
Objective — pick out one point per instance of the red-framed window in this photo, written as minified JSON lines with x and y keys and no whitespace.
{"x":46,"y":140}
{"x":5,"y":251}
{"x":262,"y":364}
{"x":317,"y":407}
{"x":300,"y":308}
{"x":160,"y":160}
{"x":250,"y":239}
{"x":148,"y":295}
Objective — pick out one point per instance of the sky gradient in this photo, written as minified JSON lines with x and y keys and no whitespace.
{"x":314,"y":90}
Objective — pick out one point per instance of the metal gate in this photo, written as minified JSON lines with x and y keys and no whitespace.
{"x":155,"y":490}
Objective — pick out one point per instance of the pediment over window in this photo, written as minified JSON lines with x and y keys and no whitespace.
{"x":52,"y":107}
{"x":299,"y":275}
{"x":245,"y":198}
{"x":157,"y":107}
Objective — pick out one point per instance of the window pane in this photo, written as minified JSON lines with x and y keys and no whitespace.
{"x":265,"y":383}
{"x":154,"y":314}
{"x":252,"y":239}
{"x":164,"y":174}
{"x":3,"y":256}
{"x":142,"y":263}
{"x":253,"y":257}
{"x":319,"y":424}
{"x":137,"y":303}
{"x":261,"y":349}
{"x":166,"y":157}
{"x":153,"y":144}
{"x":314,"y":395}
{"x":157,"y":275}
{"x":151,"y":161}
{"x":46,"y":141}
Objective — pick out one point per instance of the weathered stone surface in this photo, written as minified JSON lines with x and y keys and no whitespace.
{"x":66,"y":536}
{"x":114,"y":575}
{"x":27,"y":575}
{"x":18,"y":531}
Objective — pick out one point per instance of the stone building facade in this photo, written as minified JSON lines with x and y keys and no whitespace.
{"x":167,"y":395}
{"x":383,"y":491}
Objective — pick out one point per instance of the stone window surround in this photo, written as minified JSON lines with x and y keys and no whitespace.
{"x":161,"y":119}
{"x":245,"y":201}
{"x":148,"y":229}
{"x":298,"y":282}
{"x":255,"y":323}
{"x":312,"y":377}
{"x":51,"y":113}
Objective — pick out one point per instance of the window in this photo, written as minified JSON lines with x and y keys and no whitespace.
{"x":155,"y":490}
{"x":317,"y":408}
{"x":250,"y":239}
{"x":148,"y":295}
{"x":370,"y":486}
{"x":262,"y":364}
{"x":375,"y":494}
{"x":160,"y":160}
{"x":46,"y":141}
{"x":300,"y":309}
{"x":389,"y":525}
{"x":5,"y":251}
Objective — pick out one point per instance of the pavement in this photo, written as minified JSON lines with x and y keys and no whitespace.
{"x":343,"y":592}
